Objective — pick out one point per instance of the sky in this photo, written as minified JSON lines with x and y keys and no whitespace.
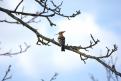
{"x":98,"y":17}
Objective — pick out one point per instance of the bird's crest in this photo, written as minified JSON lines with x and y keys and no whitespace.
{"x":61,"y":32}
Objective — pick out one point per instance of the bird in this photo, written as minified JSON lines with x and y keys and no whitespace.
{"x":61,"y":40}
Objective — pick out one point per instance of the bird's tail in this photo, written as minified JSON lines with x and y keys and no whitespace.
{"x":63,"y":48}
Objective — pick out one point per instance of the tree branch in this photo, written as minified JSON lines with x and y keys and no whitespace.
{"x":54,"y":77}
{"x":16,"y":53}
{"x":18,"y":5}
{"x":6,"y":77}
{"x":25,"y":13}
{"x":92,"y":44}
{"x":11,"y":22}
{"x":56,"y":10}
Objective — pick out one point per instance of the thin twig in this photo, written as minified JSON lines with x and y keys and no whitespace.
{"x":16,"y":53}
{"x":6,"y":77}
{"x":18,"y":5}
{"x":54,"y":77}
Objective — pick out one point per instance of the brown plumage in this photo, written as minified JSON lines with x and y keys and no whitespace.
{"x":61,"y":40}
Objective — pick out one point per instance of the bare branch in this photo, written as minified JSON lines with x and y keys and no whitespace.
{"x":83,"y":59}
{"x":109,"y":67}
{"x":92,"y":44}
{"x":46,"y":13}
{"x":16,"y":53}
{"x":6,"y":76}
{"x":18,"y":5}
{"x":109,"y":74}
{"x":41,"y":41}
{"x":11,"y":22}
{"x":25,"y":13}
{"x":32,"y":20}
{"x":54,"y":77}
{"x":109,"y":52}
{"x":56,"y":10}
{"x":51,"y":23}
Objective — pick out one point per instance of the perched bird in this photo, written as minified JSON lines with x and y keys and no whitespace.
{"x":61,"y":40}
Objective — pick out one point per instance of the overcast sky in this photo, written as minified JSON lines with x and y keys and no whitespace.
{"x":99,"y":17}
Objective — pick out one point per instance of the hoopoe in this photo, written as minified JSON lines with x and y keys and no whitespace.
{"x":61,"y":40}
